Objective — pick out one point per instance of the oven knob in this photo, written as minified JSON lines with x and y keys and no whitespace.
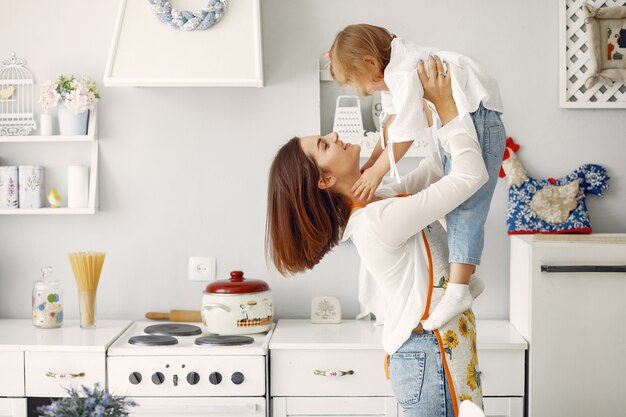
{"x":215,"y":378}
{"x":237,"y":378}
{"x":134,"y":378}
{"x":158,"y":378}
{"x":193,"y":378}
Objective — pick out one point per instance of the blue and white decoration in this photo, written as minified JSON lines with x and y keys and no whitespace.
{"x":189,"y":20}
{"x":521,"y":219}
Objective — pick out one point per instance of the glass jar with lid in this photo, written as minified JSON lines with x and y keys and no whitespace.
{"x":47,"y":301}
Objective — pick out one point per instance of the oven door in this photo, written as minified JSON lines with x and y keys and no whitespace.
{"x":199,"y":407}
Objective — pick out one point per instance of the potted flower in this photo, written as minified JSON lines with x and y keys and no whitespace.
{"x":77,"y":96}
{"x":49,"y":98}
{"x":87,"y":403}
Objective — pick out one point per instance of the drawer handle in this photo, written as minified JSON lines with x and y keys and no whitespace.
{"x":333,"y":373}
{"x":57,"y":375}
{"x":583,"y":268}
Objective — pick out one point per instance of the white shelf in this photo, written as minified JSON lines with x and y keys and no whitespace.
{"x":50,"y":210}
{"x":91,"y":136}
{"x":51,"y":138}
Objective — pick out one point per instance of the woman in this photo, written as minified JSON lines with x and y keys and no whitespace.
{"x":311,"y":207}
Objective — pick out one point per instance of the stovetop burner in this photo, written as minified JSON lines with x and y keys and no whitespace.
{"x":224,"y":340}
{"x":152,"y":340}
{"x":171,"y":329}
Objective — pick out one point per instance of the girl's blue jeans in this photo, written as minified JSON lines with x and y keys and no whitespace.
{"x":466,"y":223}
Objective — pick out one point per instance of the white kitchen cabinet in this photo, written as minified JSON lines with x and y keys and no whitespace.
{"x":335,"y":406}
{"x":13,"y":407}
{"x":337,"y":369}
{"x":59,"y":142}
{"x":38,"y":362}
{"x":12,"y":371}
{"x":573,"y":322}
{"x":49,"y":373}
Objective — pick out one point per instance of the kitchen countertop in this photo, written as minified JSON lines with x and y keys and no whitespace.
{"x":21,"y":335}
{"x":362,"y":334}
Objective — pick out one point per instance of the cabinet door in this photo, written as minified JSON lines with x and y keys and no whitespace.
{"x":497,"y":407}
{"x":335,"y":406}
{"x":48,"y":374}
{"x":577,"y":359}
{"x":503,"y":406}
{"x":299,"y":373}
{"x":12,"y":407}
{"x":12,"y":381}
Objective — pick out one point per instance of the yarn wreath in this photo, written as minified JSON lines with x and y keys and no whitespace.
{"x":189,"y":20}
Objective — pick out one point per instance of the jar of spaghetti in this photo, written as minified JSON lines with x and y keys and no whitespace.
{"x":47,"y":301}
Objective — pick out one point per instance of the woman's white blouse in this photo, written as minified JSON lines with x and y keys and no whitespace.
{"x":387,"y":235}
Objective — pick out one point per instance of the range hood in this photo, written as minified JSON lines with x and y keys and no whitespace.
{"x":146,"y":52}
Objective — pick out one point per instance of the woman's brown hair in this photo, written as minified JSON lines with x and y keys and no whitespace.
{"x":351,"y":45}
{"x":304,"y":222}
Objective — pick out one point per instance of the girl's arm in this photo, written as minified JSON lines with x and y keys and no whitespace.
{"x":378,"y":149}
{"x":429,"y":169}
{"x":371,"y":178}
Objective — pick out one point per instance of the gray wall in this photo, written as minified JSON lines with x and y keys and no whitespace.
{"x":183,"y":171}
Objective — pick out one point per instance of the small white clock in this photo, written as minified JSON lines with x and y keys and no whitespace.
{"x":325,"y":309}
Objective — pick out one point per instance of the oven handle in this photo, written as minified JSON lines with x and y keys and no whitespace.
{"x":60,"y":375}
{"x":583,"y":268}
{"x":204,"y":410}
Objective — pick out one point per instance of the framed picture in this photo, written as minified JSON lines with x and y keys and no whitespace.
{"x":593,"y":54}
{"x":607,"y":37}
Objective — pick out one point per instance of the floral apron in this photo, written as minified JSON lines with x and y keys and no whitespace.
{"x":457,"y":339}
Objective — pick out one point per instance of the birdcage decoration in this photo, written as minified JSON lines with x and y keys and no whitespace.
{"x":16,"y":98}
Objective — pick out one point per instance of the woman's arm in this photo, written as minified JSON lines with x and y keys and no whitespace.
{"x":401,"y":218}
{"x":396,"y":220}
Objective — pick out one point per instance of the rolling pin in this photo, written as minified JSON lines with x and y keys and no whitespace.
{"x":176,"y":315}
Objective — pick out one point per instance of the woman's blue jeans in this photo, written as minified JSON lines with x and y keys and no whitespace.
{"x":418,"y":378}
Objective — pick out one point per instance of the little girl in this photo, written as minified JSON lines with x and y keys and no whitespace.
{"x":372,"y":59}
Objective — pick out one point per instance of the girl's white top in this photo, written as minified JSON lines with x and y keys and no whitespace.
{"x":471,"y":85}
{"x":387,"y":235}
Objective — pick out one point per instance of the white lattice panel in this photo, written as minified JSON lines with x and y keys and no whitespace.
{"x":575,"y":67}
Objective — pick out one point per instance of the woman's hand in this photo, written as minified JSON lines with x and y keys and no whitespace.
{"x":437,"y":85}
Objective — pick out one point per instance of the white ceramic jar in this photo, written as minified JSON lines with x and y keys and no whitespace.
{"x":237,"y":306}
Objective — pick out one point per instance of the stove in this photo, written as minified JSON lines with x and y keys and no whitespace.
{"x":158,"y":365}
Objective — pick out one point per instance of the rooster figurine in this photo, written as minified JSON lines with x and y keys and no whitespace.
{"x":552,"y":205}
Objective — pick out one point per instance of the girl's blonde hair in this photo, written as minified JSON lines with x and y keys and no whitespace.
{"x":351,"y":45}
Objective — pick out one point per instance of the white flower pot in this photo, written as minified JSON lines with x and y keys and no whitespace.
{"x":70,"y":123}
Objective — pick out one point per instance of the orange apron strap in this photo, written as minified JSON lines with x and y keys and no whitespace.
{"x":442,"y":352}
{"x":430,"y":277}
{"x":455,"y":405}
{"x":387,"y":367}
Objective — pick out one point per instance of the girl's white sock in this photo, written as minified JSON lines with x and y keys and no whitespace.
{"x":455,"y":300}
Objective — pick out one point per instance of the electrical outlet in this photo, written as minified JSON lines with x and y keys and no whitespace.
{"x":201,"y":268}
